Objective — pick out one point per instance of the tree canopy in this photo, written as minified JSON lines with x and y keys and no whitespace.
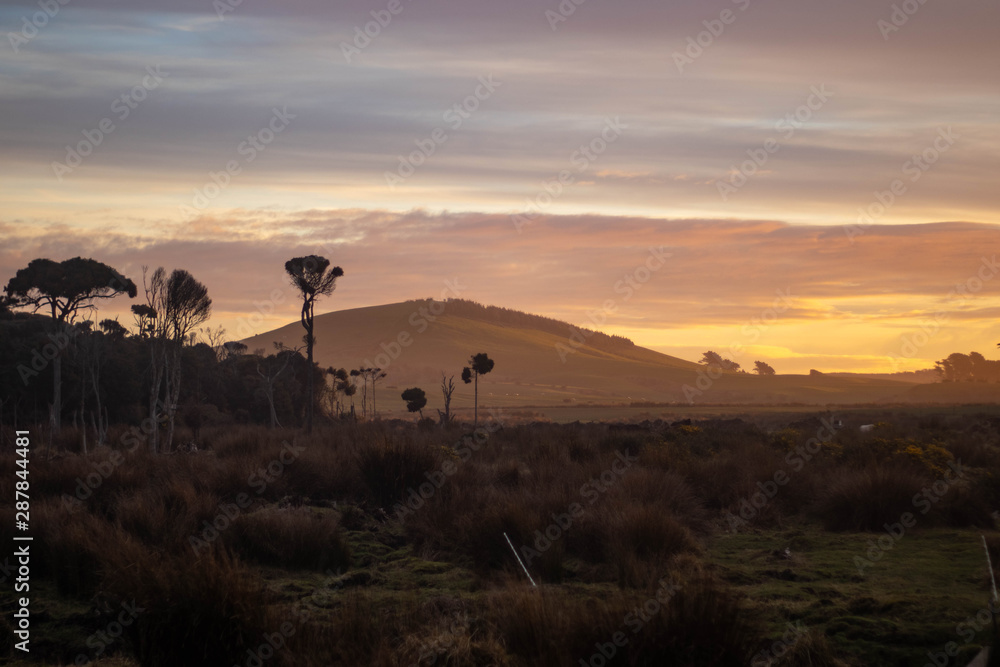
{"x":67,"y":287}
{"x":416,"y":400}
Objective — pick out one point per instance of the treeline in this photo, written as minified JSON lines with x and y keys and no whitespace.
{"x":165,"y":370}
{"x":715,"y":360}
{"x":107,"y":378}
{"x":972,"y":367}
{"x":60,"y":363}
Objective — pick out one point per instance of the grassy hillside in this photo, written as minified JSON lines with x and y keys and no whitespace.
{"x":540,"y":361}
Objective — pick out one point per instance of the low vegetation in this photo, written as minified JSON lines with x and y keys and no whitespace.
{"x":714,"y":542}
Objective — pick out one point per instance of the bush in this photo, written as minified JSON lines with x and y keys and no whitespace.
{"x":208,"y":611}
{"x":390,"y":468}
{"x":867,"y":499}
{"x":699,"y":624}
{"x":289,"y":538}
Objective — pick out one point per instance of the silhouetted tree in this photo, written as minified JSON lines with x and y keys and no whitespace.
{"x":374,"y":375}
{"x":176,"y":305}
{"x":233,"y":348}
{"x":64,"y":289}
{"x":957,"y":367}
{"x":338,"y":377}
{"x":479,"y":364}
{"x":416,"y":400}
{"x":447,"y":389}
{"x":972,"y":367}
{"x":711,"y":358}
{"x":145,"y":317}
{"x":273,"y":368}
{"x":349,"y":385}
{"x":762,"y":368}
{"x":313,"y":277}
{"x":216,"y":339}
{"x":113,"y":329}
{"x":367,"y":375}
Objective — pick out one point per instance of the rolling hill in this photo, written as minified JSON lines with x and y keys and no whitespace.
{"x":541,"y":361}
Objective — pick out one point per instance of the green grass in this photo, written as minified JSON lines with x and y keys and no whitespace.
{"x":907,"y":603}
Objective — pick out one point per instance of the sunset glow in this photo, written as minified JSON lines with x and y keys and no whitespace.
{"x":819,"y":179}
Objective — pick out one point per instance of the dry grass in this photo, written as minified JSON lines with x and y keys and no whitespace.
{"x":557,"y":490}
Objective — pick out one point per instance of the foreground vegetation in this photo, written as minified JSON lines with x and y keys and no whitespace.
{"x":715,"y":542}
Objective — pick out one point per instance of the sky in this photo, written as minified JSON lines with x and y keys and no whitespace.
{"x":808,"y":183}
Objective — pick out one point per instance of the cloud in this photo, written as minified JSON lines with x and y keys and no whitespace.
{"x":354,"y":121}
{"x":719,"y":274}
{"x":322,"y":182}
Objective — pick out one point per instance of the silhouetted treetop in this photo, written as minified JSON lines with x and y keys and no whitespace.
{"x":66,"y":287}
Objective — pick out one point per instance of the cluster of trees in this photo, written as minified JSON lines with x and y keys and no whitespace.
{"x":162,"y":368}
{"x":716,"y":360}
{"x":55,"y":363}
{"x":972,"y":367}
{"x":416,"y":398}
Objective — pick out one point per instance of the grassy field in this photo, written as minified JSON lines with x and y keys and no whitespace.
{"x":767,"y":416}
{"x":711,"y":543}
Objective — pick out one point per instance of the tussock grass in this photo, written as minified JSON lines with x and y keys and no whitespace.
{"x":599,"y":538}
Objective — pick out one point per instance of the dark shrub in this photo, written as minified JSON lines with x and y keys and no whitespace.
{"x":391,"y":468}
{"x":290,"y":538}
{"x":206,"y":611}
{"x":869,"y":498}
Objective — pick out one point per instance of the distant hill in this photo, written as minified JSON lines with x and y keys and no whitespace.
{"x":925,"y":376}
{"x":542,"y":361}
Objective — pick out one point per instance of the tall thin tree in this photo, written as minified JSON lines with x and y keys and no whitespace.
{"x":313,"y":276}
{"x":479,"y":364}
{"x":175,"y":306}
{"x":447,"y":389}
